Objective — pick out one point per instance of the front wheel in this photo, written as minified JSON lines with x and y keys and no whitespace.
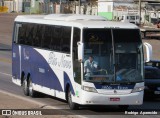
{"x":72,"y":105}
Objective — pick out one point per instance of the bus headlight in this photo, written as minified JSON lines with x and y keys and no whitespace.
{"x":89,"y":89}
{"x":138,"y":89}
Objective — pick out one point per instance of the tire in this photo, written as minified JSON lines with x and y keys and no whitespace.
{"x":123,"y":107}
{"x":25,"y":87}
{"x":32,"y":93}
{"x":73,"y":106}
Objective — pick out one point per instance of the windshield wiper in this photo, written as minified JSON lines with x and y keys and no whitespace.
{"x":102,"y":82}
{"x":99,"y":82}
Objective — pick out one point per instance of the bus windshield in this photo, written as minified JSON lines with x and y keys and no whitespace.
{"x":132,"y":17}
{"x":113,"y":55}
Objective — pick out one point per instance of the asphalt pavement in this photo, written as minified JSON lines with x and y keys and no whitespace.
{"x":10,"y":101}
{"x":12,"y":106}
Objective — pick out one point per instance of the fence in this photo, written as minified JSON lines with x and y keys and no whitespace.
{"x":9,"y":6}
{"x":68,"y":7}
{"x":89,"y":8}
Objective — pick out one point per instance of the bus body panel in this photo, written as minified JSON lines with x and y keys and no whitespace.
{"x":89,"y":98}
{"x":125,"y":96}
{"x":16,"y":72}
{"x":36,"y":63}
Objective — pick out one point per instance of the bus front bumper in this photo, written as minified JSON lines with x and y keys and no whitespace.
{"x":90,"y":98}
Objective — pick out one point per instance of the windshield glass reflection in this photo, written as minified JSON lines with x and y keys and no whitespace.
{"x":99,"y":53}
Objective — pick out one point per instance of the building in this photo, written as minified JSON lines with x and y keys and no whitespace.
{"x":114,"y":9}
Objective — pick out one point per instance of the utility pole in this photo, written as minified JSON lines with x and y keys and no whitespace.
{"x":13,"y":5}
{"x":140,"y":12}
{"x":79,"y":6}
{"x":60,"y":4}
{"x":2,"y":2}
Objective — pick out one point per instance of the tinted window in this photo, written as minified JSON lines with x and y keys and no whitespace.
{"x":47,"y":36}
{"x":132,"y":17}
{"x":153,"y":64}
{"x":56,"y":38}
{"x":66,"y":39}
{"x":38,"y":34}
{"x":29,"y":34}
{"x":97,"y":41}
{"x":152,"y":73}
{"x":22,"y":34}
{"x":126,"y":35}
{"x":34,"y":35}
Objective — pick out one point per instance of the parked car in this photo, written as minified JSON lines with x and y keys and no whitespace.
{"x":152,"y":79}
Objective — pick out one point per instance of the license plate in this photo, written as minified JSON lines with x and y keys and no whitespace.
{"x":157,"y":92}
{"x":114,"y":99}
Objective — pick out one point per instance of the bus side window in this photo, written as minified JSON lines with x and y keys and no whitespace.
{"x":22,"y":34}
{"x":51,"y":45}
{"x":29,"y":34}
{"x":56,"y":38}
{"x":47,"y":37}
{"x":35,"y":38}
{"x":66,"y":39}
{"x":39,"y":35}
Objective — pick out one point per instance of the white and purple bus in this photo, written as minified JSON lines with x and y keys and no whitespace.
{"x":49,"y":52}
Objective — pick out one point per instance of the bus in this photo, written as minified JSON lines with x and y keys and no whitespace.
{"x":131,"y":18}
{"x":49,"y":53}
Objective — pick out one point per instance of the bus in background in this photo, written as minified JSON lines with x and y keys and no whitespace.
{"x":49,"y":54}
{"x":131,"y":18}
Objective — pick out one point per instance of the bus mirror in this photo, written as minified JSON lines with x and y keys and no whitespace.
{"x":80,"y":51}
{"x":148,"y":51}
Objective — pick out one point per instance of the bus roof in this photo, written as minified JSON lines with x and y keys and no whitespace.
{"x":81,"y":21}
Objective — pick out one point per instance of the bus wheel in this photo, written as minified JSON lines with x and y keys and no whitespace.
{"x":32,"y":93}
{"x":25,"y":87}
{"x":72,"y":105}
{"x":124,"y":107}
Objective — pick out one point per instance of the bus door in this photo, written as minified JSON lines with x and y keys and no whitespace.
{"x":76,"y":62}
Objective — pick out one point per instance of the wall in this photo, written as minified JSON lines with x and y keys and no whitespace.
{"x":105,"y":9}
{"x":17,"y":5}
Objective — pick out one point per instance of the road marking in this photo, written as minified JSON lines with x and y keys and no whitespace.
{"x":5,"y":74}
